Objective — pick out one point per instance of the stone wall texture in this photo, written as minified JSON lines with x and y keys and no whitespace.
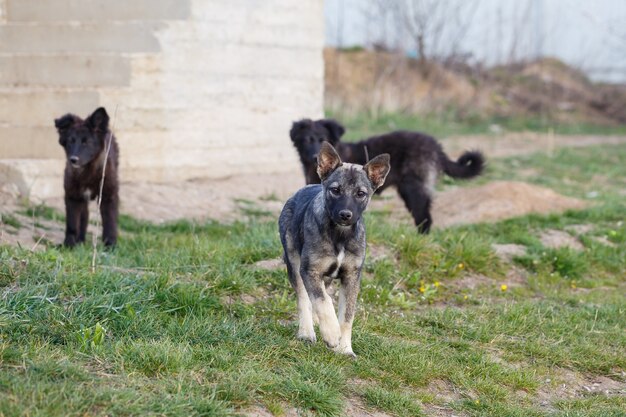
{"x":197,"y":88}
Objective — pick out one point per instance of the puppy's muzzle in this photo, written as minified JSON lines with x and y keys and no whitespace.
{"x":74,"y":161}
{"x":345,"y":215}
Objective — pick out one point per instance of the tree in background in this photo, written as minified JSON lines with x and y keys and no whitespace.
{"x":432,"y":29}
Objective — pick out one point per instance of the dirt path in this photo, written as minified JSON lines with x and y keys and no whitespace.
{"x":233,"y":198}
{"x":514,"y":144}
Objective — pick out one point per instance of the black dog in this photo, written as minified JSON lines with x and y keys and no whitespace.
{"x":85,"y":143}
{"x":323,"y":238}
{"x":416,"y":158}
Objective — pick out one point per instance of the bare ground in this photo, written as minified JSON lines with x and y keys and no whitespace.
{"x":225,"y":200}
{"x":565,"y":384}
{"x":559,"y":239}
{"x":236,"y":197}
{"x":491,"y":202}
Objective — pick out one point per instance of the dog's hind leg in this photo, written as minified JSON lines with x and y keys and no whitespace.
{"x":306,"y":330}
{"x":417,"y":198}
{"x":323,"y":307}
{"x":108,"y":209}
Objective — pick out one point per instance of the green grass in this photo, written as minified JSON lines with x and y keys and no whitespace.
{"x":450,"y":123}
{"x":177,"y":320}
{"x":10,"y":220}
{"x":42,"y":211}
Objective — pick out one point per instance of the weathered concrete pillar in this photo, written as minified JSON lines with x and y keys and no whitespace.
{"x":203,"y":89}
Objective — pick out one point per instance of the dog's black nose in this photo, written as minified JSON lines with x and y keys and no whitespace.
{"x":345,"y":215}
{"x":74,"y":159}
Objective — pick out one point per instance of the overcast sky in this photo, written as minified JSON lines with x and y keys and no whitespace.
{"x":589,"y":34}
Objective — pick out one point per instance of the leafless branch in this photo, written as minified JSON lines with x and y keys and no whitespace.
{"x":99,"y":199}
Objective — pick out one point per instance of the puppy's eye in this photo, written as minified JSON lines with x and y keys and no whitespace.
{"x":83,"y":140}
{"x":334,"y":190}
{"x":361,"y":194}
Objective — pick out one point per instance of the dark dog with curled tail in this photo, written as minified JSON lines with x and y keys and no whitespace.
{"x":417,"y":160}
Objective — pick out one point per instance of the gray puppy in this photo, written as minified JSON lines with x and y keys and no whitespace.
{"x":323,"y":237}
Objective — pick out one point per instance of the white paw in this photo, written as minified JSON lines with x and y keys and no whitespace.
{"x":345,"y":350}
{"x":307,"y":335}
{"x":331,"y":334}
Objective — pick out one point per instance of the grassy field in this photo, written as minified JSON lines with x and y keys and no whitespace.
{"x":444,"y":124}
{"x":179,"y":321}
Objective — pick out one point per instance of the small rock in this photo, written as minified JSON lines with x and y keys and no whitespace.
{"x":558,"y":239}
{"x":270,"y":264}
{"x":508,"y":251}
{"x":579,"y":229}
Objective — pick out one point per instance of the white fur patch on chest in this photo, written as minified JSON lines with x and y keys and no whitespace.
{"x":340,"y":256}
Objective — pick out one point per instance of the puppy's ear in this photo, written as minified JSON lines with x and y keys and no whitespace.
{"x":334,"y":128}
{"x":63,"y":124}
{"x":328,"y":160}
{"x":297,"y":127}
{"x":377,"y":170}
{"x":99,"y":120}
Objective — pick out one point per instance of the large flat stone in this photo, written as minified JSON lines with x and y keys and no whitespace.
{"x":81,"y":10}
{"x":65,"y":70}
{"x":34,"y":179}
{"x":40,"y":108}
{"x":110,"y":37}
{"x":30,"y":142}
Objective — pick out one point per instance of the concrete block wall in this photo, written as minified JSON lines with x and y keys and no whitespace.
{"x":203,"y":88}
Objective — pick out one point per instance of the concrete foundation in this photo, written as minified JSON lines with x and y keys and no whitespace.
{"x":203,"y":89}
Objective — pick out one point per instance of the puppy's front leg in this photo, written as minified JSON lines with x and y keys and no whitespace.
{"x":74,"y":207}
{"x":323,"y":308}
{"x":83,"y":222}
{"x":348,"y":293}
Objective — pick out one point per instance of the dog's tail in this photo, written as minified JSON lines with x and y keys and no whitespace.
{"x":469,"y":165}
